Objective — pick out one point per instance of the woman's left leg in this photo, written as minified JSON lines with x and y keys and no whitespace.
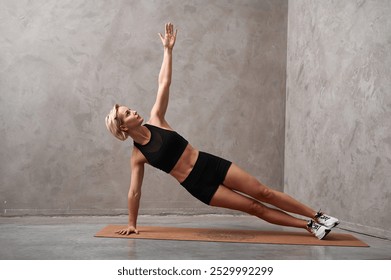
{"x":227,"y":198}
{"x":239,"y":180}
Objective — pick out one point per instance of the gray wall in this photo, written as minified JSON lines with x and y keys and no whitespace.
{"x":63,"y":65}
{"x":338,"y":115}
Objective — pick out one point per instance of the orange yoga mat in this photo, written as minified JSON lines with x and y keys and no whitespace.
{"x":233,"y":235}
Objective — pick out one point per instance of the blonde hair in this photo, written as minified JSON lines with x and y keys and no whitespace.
{"x":113,"y":124}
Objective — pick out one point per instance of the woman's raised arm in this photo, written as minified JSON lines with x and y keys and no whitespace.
{"x":168,"y":40}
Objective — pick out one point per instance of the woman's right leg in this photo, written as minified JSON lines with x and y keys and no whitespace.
{"x":239,"y":180}
{"x":227,"y":198}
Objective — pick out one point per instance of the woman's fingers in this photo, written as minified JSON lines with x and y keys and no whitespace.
{"x":161,"y":37}
{"x":169,"y":28}
{"x":127,"y":231}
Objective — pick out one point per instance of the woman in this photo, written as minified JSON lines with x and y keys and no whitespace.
{"x":213,"y":180}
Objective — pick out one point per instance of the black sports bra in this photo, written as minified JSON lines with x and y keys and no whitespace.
{"x":164,"y":148}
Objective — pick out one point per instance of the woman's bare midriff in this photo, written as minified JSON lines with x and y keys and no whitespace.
{"x":185,"y":164}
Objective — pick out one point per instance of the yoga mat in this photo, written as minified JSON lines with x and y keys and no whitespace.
{"x":233,"y":235}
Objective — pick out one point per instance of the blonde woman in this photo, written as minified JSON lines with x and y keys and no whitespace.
{"x":211,"y":179}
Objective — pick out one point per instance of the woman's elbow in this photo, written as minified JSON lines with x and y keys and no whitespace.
{"x":134,"y":194}
{"x":165,"y":83}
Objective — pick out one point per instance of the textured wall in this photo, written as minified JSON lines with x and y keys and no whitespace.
{"x":338,"y":115}
{"x":63,"y":65}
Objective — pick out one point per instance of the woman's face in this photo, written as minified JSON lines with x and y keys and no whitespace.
{"x":129,"y":119}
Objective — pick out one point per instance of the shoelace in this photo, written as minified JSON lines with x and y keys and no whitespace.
{"x":321,"y":216}
{"x":318,"y":214}
{"x":312,"y":225}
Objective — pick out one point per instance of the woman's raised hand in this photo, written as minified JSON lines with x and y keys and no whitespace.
{"x":168,"y":40}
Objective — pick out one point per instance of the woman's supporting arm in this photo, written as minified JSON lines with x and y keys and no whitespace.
{"x":134,"y":195}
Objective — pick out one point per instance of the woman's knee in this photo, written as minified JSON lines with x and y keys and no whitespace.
{"x":266,"y":193}
{"x":261,"y":192}
{"x":255,"y":208}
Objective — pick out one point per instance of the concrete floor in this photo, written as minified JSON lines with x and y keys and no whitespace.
{"x":71,"y":238}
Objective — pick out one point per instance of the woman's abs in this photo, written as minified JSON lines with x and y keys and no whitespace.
{"x":185,"y":164}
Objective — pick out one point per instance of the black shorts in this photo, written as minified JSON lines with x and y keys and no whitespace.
{"x":208,"y":173}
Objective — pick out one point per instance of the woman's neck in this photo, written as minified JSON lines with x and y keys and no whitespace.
{"x":140,"y":135}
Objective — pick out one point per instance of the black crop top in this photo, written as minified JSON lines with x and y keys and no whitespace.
{"x":164,"y":148}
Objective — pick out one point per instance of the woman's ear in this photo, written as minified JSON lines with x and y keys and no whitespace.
{"x":123,"y":127}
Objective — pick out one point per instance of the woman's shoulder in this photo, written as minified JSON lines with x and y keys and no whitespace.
{"x":137,"y":156}
{"x":159,"y":123}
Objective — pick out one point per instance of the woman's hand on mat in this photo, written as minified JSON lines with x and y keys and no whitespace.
{"x":127,"y":231}
{"x":168,"y":40}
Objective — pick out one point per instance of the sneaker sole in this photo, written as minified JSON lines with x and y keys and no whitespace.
{"x":327,"y":231}
{"x":333,"y":226}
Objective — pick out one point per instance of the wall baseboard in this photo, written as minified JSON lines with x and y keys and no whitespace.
{"x":361,"y":229}
{"x":114,"y":212}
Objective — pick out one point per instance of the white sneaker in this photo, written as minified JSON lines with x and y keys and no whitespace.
{"x":326,"y":220}
{"x":318,"y":230}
